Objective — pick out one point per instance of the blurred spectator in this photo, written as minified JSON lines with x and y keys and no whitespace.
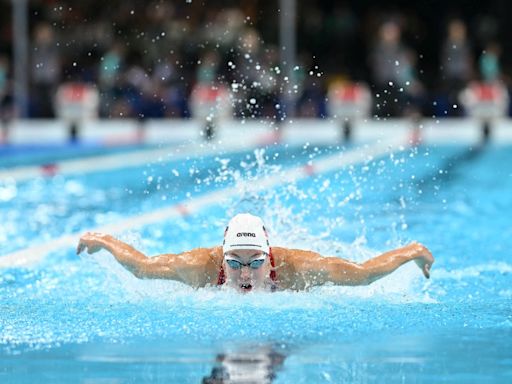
{"x":224,"y":29}
{"x":139,"y":89}
{"x":166,"y":74}
{"x":146,"y":57}
{"x":110,"y":67}
{"x":397,"y":90}
{"x":311,"y":99}
{"x":256,"y":75}
{"x":6,"y":102}
{"x":489,"y":63}
{"x":207,"y":72}
{"x":46,"y":70}
{"x":456,"y":66}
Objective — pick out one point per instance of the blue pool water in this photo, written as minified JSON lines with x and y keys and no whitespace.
{"x":75,"y":318}
{"x":16,"y":155}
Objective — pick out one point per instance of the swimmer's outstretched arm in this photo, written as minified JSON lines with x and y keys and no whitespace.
{"x":192,"y":268}
{"x":316,"y":270}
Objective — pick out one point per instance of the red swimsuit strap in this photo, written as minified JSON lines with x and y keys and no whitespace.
{"x":221,"y":279}
{"x":273,"y":274}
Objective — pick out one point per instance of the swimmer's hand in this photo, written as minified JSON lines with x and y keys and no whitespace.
{"x":422,"y":257}
{"x":92,"y":242}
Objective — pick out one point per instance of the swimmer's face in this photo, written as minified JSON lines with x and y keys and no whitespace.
{"x":246,"y":269}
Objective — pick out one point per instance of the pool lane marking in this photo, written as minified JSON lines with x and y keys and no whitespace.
{"x":125,"y":159}
{"x":33,"y":254}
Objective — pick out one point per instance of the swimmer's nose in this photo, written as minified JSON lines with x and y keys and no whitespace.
{"x":245,"y":272}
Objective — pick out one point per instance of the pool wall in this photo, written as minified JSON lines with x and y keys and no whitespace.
{"x":126,"y":131}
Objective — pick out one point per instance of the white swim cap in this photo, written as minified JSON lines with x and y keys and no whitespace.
{"x":245,"y":231}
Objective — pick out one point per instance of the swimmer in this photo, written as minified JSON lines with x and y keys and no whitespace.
{"x":246,"y":261}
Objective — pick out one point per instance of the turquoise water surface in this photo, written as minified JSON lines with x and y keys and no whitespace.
{"x":85,"y":319}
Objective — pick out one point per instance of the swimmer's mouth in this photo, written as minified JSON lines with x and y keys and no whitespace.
{"x":246,"y":287}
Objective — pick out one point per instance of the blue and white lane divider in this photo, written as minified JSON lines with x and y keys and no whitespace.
{"x":35,"y":253}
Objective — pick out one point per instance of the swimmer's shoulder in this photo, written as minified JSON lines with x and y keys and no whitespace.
{"x":216,"y":255}
{"x":289,"y":266}
{"x":206,"y":261}
{"x":208,"y":256}
{"x":292,"y":256}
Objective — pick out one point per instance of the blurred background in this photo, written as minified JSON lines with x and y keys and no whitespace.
{"x":276,"y":58}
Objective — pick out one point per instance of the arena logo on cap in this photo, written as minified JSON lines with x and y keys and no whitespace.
{"x":245,"y":234}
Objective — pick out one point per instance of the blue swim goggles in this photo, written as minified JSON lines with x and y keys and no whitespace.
{"x":255,"y":264}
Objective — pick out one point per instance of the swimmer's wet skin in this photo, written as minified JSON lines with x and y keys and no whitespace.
{"x":246,"y":262}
